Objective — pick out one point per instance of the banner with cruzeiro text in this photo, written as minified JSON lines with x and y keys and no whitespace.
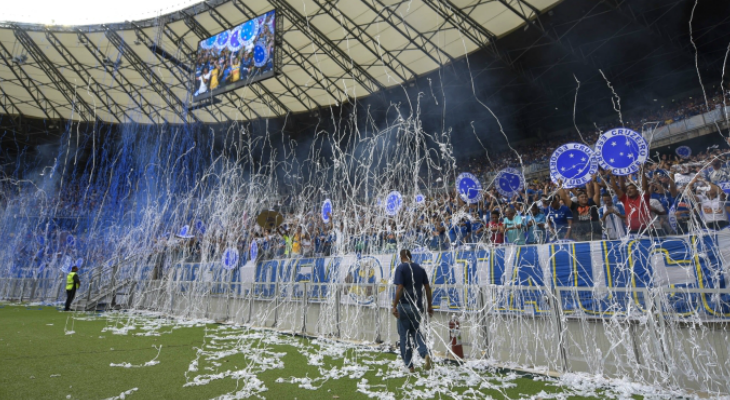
{"x":589,"y":275}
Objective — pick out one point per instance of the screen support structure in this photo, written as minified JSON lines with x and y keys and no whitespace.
{"x":134,"y":94}
{"x":94,"y":86}
{"x":173,"y":68}
{"x":68,"y":91}
{"x":36,"y":94}
{"x":174,"y":102}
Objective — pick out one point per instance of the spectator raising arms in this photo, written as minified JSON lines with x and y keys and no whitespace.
{"x":638,"y":217}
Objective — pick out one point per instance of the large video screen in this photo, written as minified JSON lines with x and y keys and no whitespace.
{"x":236,"y":57}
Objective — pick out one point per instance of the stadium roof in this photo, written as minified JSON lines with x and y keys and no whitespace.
{"x":331,"y":51}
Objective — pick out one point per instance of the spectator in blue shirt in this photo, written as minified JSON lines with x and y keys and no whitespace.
{"x":535,"y":223}
{"x":559,"y":219}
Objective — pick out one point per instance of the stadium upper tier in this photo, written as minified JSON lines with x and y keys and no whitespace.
{"x":326,"y":53}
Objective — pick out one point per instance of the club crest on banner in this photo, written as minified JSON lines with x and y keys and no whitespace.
{"x":207,"y":44}
{"x":230,"y":258}
{"x":248,"y":33}
{"x":393,"y":203}
{"x":469,"y":188}
{"x":621,"y":151}
{"x":260,"y":54}
{"x":683,"y":151}
{"x":419,"y":198}
{"x":573,"y":164}
{"x":234,"y":42}
{"x":362,"y":277}
{"x":509,"y":182}
{"x":326,"y":210}
{"x":221,"y":41}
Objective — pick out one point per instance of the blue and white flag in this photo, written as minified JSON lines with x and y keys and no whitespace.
{"x":621,"y":151}
{"x":672,"y":217}
{"x":248,"y":33}
{"x":468,"y":187}
{"x":260,"y":54}
{"x":573,"y":164}
{"x":684,"y":151}
{"x":393,"y":203}
{"x":509,"y":182}
{"x":230,"y":258}
{"x":208,"y":43}
{"x":221,"y":41}
{"x":234,"y":42}
{"x":419,"y":198}
{"x":70,"y":240}
{"x":326,"y":210}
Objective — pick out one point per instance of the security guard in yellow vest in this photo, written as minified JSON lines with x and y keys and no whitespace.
{"x":72,"y":283}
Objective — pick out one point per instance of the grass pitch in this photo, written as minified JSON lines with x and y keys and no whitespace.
{"x":47,"y":354}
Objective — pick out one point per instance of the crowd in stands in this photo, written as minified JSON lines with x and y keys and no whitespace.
{"x":670,"y":196}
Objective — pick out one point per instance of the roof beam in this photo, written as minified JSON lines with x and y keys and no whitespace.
{"x":414,"y":36}
{"x":93,"y":85}
{"x":356,"y":71}
{"x":4,"y":103}
{"x":142,"y":36}
{"x":323,"y":81}
{"x":373,"y":45}
{"x":468,"y":27}
{"x":268,"y":98}
{"x":35,"y":93}
{"x":99,"y":56}
{"x":68,"y":91}
{"x":176,"y":105}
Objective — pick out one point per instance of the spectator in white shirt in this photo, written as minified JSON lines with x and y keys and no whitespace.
{"x":612,"y":217}
{"x":712,"y":205}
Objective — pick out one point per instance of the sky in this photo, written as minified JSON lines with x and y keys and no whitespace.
{"x":87,"y":12}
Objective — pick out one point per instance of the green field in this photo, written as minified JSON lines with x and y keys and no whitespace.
{"x":47,"y":354}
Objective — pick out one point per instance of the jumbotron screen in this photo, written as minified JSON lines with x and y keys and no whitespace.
{"x":235,"y":58}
